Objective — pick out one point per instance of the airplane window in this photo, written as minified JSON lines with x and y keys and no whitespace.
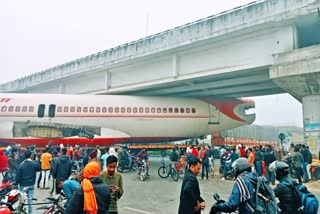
{"x":31,"y":109}
{"x":85,"y":109}
{"x":159,"y":110}
{"x":72,"y":109}
{"x":182,"y":110}
{"x":141,"y":110}
{"x":193,"y":110}
{"x":129,"y":110}
{"x":153,"y":110}
{"x":110,"y":109}
{"x":78,"y":109}
{"x":10,"y":109}
{"x":98,"y":109}
{"x":135,"y":110}
{"x":4,"y":108}
{"x":187,"y":110}
{"x":59,"y":109}
{"x":66,"y":109}
{"x":104,"y":109}
{"x":91,"y":109}
{"x":18,"y":108}
{"x":116,"y":109}
{"x":24,"y":108}
{"x":123,"y":110}
{"x":147,"y":110}
{"x":164,"y":110}
{"x":176,"y":110}
{"x":170,"y":110}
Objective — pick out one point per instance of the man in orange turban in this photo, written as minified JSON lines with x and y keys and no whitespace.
{"x":94,"y":195}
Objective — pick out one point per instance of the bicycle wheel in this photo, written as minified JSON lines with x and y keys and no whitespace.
{"x":163,"y":172}
{"x":174,"y":174}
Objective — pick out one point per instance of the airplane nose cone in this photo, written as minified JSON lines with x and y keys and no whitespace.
{"x":241,"y":110}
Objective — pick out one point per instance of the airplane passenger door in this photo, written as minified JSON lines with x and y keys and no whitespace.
{"x":41,"y":110}
{"x":214,"y":116}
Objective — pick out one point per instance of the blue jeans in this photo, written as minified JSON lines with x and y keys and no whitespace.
{"x":305,"y":172}
{"x":29,"y":192}
{"x":270,"y":175}
{"x":258,"y":166}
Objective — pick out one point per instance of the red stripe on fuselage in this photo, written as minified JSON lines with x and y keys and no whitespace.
{"x":41,"y":142}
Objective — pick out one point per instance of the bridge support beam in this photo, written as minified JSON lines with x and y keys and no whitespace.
{"x":298,"y":73}
{"x":311,"y":122}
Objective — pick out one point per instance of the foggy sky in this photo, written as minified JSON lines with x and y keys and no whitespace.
{"x":37,"y":35}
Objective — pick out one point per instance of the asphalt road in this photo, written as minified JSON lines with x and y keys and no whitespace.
{"x":161,"y":196}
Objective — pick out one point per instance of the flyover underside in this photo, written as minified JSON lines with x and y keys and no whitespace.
{"x":254,"y":82}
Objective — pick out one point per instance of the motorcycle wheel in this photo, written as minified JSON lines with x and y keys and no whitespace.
{"x":163,"y":172}
{"x":174,"y":174}
{"x":221,"y":171}
{"x":142,"y":175}
{"x":119,"y":169}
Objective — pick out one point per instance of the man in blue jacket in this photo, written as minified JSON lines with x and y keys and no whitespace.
{"x":242,"y":195}
{"x":26,"y":177}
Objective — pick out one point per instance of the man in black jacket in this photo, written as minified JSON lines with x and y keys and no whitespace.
{"x":26,"y":177}
{"x":93,"y":196}
{"x":287,"y":200}
{"x":307,"y":157}
{"x":190,"y":199}
{"x":62,"y":168}
{"x":269,"y":157}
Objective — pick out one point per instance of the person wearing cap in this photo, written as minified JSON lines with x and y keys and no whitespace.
{"x":26,"y":177}
{"x":94,"y":195}
{"x":242,"y":191}
{"x":92,"y":158}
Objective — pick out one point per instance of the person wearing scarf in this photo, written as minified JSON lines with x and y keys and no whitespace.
{"x":94,"y":195}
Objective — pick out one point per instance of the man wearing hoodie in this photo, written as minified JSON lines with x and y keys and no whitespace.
{"x":62,"y":168}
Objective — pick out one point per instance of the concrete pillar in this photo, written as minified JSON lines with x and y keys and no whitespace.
{"x":311,"y":122}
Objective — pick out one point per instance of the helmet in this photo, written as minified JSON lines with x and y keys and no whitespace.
{"x":240,"y":165}
{"x":280,"y":168}
{"x":5,"y":210}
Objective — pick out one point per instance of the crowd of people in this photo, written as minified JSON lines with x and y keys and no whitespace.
{"x":249,"y":164}
{"x":98,"y":186}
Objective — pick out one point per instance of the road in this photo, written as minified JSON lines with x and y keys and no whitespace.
{"x":161,"y":196}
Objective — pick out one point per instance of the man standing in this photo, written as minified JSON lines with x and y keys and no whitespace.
{"x":45,"y":167}
{"x":104,"y":158}
{"x":62,"y":168}
{"x":114,"y":180}
{"x":26,"y":177}
{"x":190,"y":199}
{"x":94,"y":195}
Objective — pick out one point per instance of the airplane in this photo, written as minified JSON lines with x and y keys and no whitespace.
{"x":39,"y":119}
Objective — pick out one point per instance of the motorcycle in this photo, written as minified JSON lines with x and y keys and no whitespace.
{"x":216,"y":197}
{"x":226,"y":165}
{"x":142,"y":169}
{"x":124,"y":165}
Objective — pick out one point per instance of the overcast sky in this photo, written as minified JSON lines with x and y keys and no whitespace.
{"x":39,"y":34}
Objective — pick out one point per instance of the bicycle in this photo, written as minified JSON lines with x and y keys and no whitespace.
{"x":168,"y":169}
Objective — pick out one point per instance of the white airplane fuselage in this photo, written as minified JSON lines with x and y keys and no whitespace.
{"x":39,"y":118}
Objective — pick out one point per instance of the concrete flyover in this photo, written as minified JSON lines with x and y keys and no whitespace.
{"x":224,"y":55}
{"x":261,"y":48}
